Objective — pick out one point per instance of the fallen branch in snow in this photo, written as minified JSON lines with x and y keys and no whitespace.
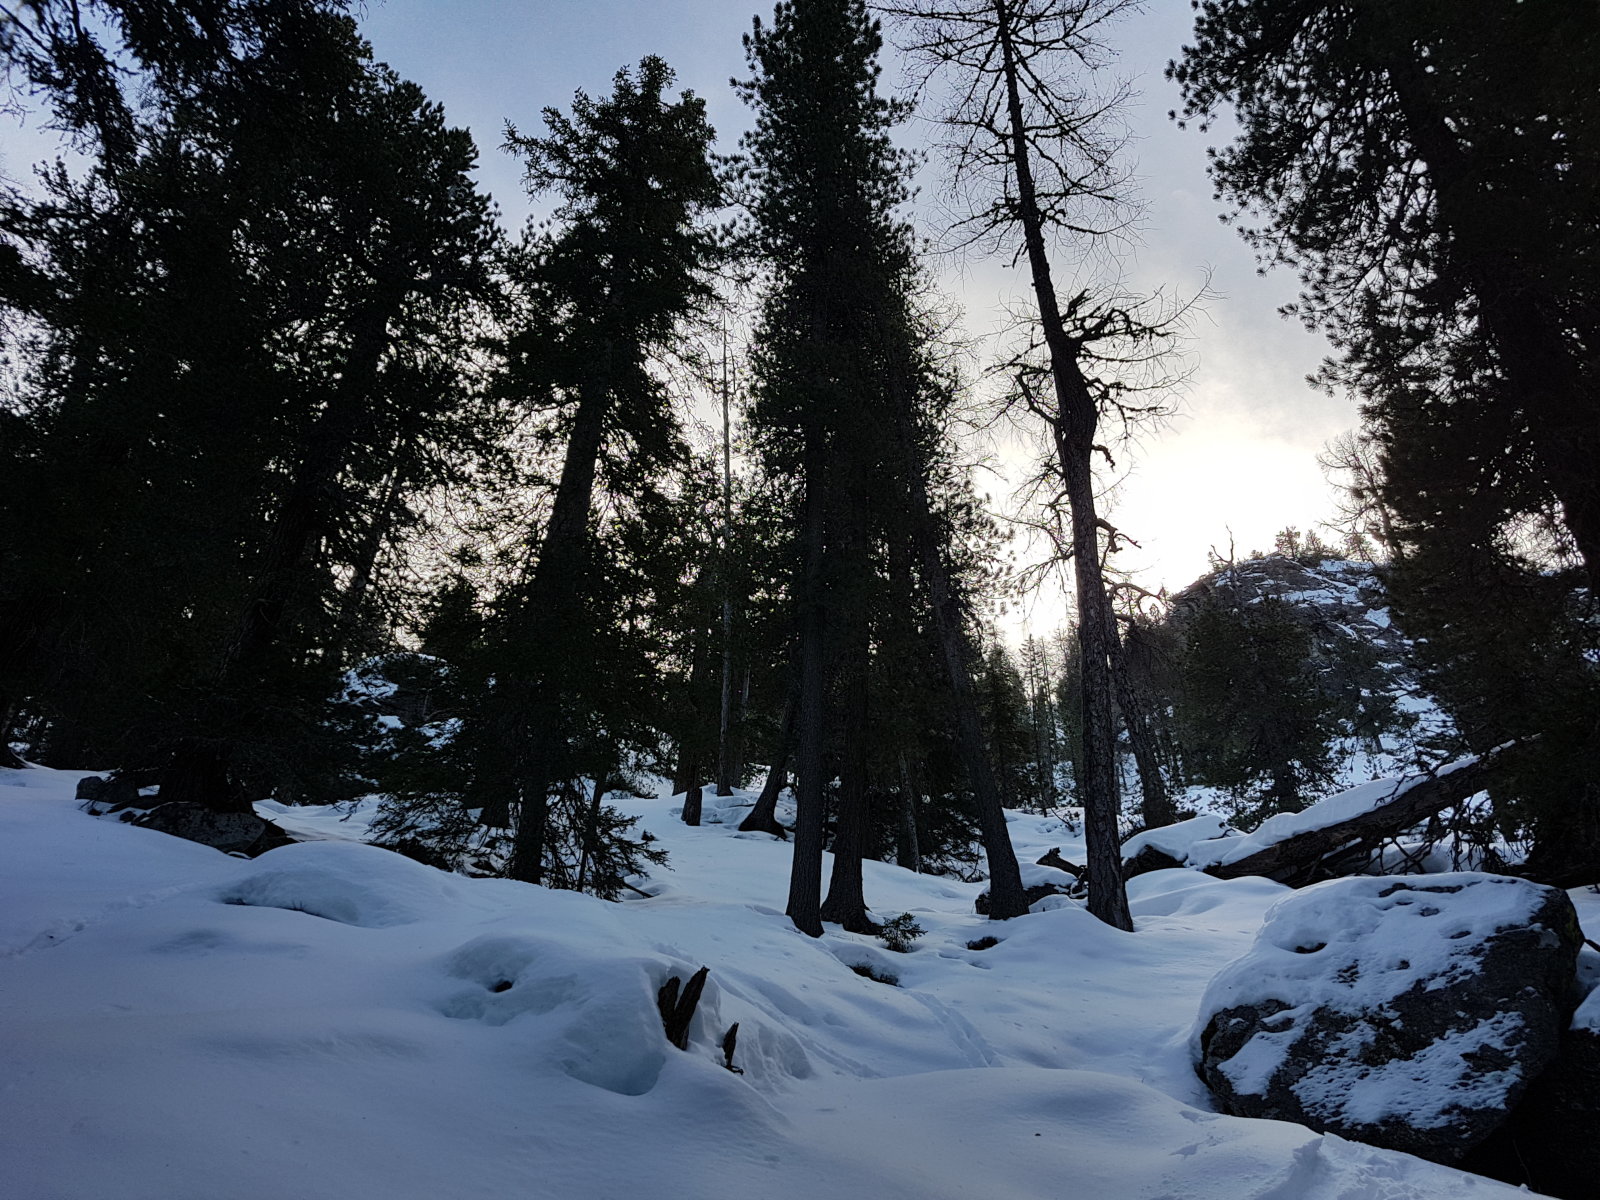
{"x":1305,"y":857}
{"x":678,"y":1010}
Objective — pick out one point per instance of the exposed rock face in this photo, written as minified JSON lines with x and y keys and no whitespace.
{"x":230,"y":832}
{"x":1410,"y":1013}
{"x":1552,"y":1142}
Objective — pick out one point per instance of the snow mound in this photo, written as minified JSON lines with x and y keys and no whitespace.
{"x":348,"y":882}
{"x":594,"y":1018}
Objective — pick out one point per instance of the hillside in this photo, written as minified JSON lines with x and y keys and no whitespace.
{"x":1354,"y":644}
{"x":332,"y":1020}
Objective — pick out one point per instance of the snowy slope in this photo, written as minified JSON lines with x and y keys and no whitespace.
{"x":330,"y":1020}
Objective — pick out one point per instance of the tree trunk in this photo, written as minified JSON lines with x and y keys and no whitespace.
{"x":1157,"y":809}
{"x":1300,"y":859}
{"x":548,"y":619}
{"x":1007,"y":898}
{"x":846,"y":903}
{"x":373,"y":538}
{"x":763,"y":817}
{"x":692,"y":745}
{"x":738,"y":742}
{"x":591,"y":829}
{"x":805,"y":875}
{"x":692,"y":792}
{"x":908,"y":848}
{"x":1073,"y":427}
{"x":530,"y":794}
{"x":852,"y":579}
{"x":725,"y":750}
{"x":1044,"y":746}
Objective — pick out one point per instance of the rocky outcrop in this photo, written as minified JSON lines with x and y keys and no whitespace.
{"x":1410,"y":1013}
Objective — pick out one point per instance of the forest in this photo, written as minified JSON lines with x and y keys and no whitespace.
{"x":325,"y":495}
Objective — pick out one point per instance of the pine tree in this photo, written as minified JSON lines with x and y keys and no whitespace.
{"x":605,"y":293}
{"x":1431,"y":169}
{"x":1250,"y":710}
{"x":838,"y":393}
{"x":221,"y":300}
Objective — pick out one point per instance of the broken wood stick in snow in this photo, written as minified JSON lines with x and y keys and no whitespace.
{"x":678,"y":1010}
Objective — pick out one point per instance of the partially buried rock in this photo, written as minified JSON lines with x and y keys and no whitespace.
{"x":1408,"y":1013}
{"x":231,"y":832}
{"x":1032,"y":892}
{"x":108,"y":794}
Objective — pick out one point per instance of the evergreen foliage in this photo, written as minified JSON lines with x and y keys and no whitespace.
{"x":1251,"y":710}
{"x":848,"y":397}
{"x":601,"y":298}
{"x":244,"y":359}
{"x":1432,"y":170}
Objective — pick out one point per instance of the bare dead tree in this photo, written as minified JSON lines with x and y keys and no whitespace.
{"x":1034,"y":140}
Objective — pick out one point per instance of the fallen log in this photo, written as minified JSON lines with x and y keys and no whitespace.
{"x":1303,"y":857}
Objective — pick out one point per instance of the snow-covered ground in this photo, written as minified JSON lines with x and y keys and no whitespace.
{"x":331,"y":1020}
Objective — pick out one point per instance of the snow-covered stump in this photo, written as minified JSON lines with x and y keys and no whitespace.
{"x":1410,"y":1013}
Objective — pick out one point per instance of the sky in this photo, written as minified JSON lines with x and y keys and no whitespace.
{"x":1238,"y":460}
{"x":1235,"y":463}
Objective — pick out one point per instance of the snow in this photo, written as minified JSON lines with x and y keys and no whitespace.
{"x":330,"y":1020}
{"x":1351,"y":946}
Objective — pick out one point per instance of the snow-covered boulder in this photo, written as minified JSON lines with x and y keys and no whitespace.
{"x":1411,"y":1013}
